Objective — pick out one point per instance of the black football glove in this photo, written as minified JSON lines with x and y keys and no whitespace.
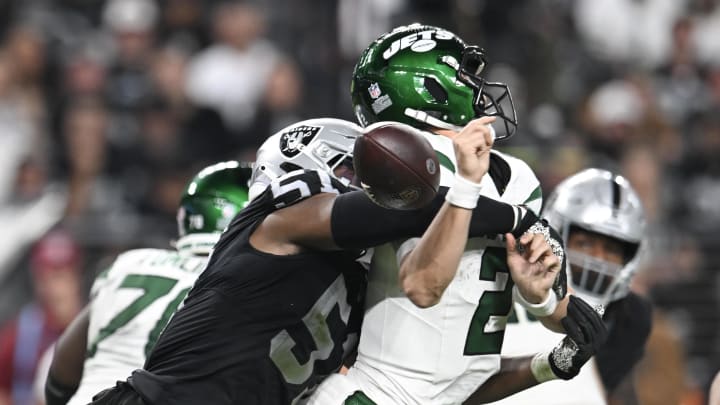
{"x":586,"y":333}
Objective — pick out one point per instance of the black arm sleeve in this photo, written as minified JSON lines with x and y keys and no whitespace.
{"x":358,"y":223}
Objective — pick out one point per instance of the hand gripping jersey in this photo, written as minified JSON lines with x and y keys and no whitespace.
{"x":441,"y":354}
{"x":131,"y":303}
{"x":525,"y":335}
{"x":259,"y":328}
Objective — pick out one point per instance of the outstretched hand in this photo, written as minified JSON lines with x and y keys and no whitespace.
{"x":533,"y":266}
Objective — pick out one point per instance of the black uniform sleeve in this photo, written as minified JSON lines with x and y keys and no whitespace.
{"x":629,"y":322}
{"x":358,"y":223}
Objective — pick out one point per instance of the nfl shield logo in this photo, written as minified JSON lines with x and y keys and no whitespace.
{"x":374,"y":90}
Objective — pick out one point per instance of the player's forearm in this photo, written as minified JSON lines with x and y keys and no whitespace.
{"x":66,"y":368}
{"x":357,"y":222}
{"x":70,"y":349}
{"x":428,"y":269}
{"x":552,"y":322}
{"x":514,"y":376}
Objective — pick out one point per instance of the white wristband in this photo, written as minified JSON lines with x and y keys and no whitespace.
{"x":540,"y":368}
{"x":463,"y":193}
{"x":544,"y":308}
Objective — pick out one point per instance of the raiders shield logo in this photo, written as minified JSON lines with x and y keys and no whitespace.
{"x":292,"y":141}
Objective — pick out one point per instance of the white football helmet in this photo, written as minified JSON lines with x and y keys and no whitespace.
{"x":317,"y":144}
{"x":602,"y":202}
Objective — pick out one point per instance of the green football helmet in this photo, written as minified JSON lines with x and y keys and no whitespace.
{"x":208,"y":204}
{"x":427,"y":77}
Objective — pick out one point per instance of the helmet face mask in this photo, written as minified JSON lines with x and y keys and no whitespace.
{"x":324,"y":144}
{"x":599,"y":279}
{"x":489,"y":98}
{"x":426,"y":76}
{"x":209,"y":203}
{"x":598,"y":202}
{"x":592,"y":275}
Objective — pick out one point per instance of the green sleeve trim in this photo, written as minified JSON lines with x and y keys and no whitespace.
{"x":535,"y":195}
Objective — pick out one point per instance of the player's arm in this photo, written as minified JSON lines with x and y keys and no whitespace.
{"x":352,"y":221}
{"x":427,"y":270}
{"x":66,"y":368}
{"x":514,"y":376}
{"x":632,"y":322}
{"x":586,"y":333}
{"x":631,"y":318}
{"x":536,"y":263}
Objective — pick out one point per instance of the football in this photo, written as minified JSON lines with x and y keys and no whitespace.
{"x":397,"y":167}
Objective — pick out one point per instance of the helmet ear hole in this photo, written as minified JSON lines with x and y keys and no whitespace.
{"x":435,"y":90}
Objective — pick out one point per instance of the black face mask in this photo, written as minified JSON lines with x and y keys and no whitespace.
{"x":490,"y":98}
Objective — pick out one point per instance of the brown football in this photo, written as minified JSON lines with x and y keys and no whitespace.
{"x":396,"y":166}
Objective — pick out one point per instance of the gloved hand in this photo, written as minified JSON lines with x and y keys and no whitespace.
{"x":586,"y":333}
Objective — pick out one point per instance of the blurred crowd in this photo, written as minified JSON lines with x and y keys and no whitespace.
{"x":108,"y":107}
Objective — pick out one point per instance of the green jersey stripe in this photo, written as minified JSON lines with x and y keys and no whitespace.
{"x":445,"y":161}
{"x":536,"y":194}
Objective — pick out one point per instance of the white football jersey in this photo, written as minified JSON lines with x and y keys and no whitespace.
{"x":585,"y":389}
{"x":441,"y":354}
{"x":131,"y":304}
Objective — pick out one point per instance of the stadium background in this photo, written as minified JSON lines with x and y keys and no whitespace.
{"x":108,"y":107}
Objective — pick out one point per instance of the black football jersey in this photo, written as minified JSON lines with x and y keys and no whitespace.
{"x":258,"y":328}
{"x":629,"y":321}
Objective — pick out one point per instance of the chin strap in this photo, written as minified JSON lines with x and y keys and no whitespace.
{"x":199,"y":244}
{"x":430,"y":120}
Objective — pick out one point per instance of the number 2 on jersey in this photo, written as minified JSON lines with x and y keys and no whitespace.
{"x":154,"y":287}
{"x":487,"y":328}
